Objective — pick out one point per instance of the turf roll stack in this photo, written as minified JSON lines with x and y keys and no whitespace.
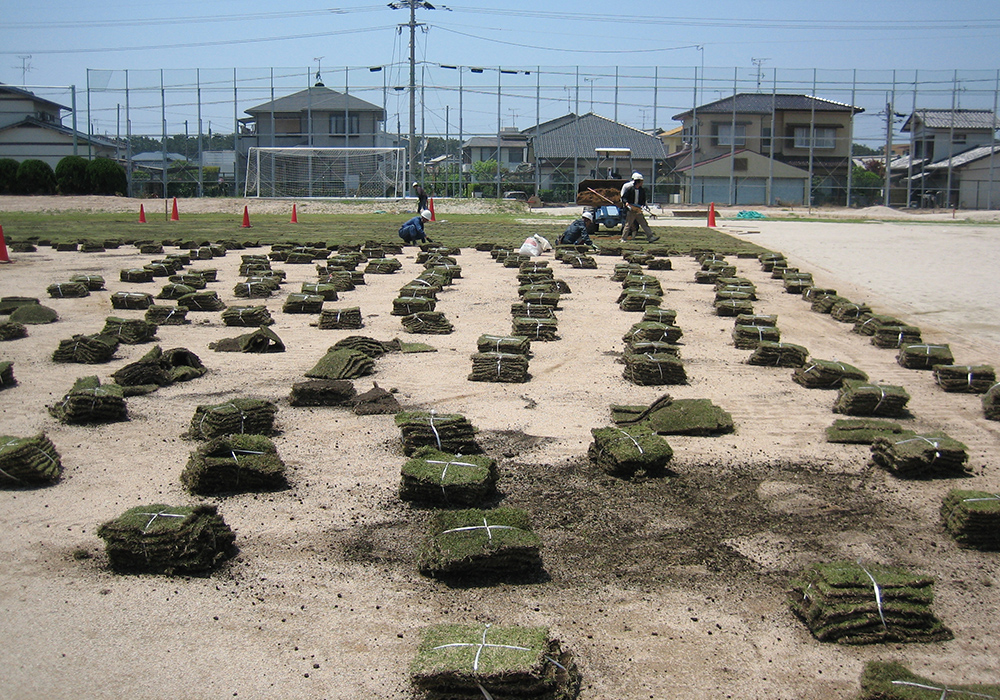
{"x":969,"y":379}
{"x":890,"y":680}
{"x":912,"y":456}
{"x":236,"y":416}
{"x":623,"y":451}
{"x":861,"y":398}
{"x":340,"y":319}
{"x":435,"y":478}
{"x":973,"y":519}
{"x":654,"y":369}
{"x":924,"y":356}
{"x":91,"y":402}
{"x":448,"y":432}
{"x":342,"y":363}
{"x":826,"y":374}
{"x":234,"y":464}
{"x":28,"y":461}
{"x":499,"y":367}
{"x":769,"y":354}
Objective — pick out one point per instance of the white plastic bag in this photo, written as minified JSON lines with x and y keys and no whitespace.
{"x":530,"y":247}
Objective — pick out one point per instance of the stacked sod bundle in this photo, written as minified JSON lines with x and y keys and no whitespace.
{"x":499,"y":367}
{"x":889,"y":680}
{"x":796,"y":282}
{"x":327,"y":291}
{"x":895,"y":336}
{"x":848,"y":312}
{"x":969,"y":379}
{"x":28,"y":461}
{"x":826,"y":374}
{"x":158,"y":368}
{"x":991,"y":403}
{"x":383,"y":266}
{"x":163,"y":315}
{"x":427,"y":323}
{"x":369,"y":346}
{"x":68,"y":290}
{"x":851,"y":603}
{"x":348,"y":318}
{"x":862,"y":431}
{"x":824,"y":303}
{"x":923,"y":356}
{"x":516,"y":344}
{"x":973,"y":519}
{"x":131,"y":300}
{"x":13,"y":331}
{"x":481,"y":545}
{"x":322,"y":392}
{"x":861,"y":398}
{"x":448,"y":432}
{"x":234,"y":464}
{"x":633,"y":299}
{"x":654,"y":369}
{"x":161,"y":539}
{"x":622,"y":451}
{"x":94,"y":283}
{"x":136,"y":274}
{"x":528,"y":310}
{"x":131,"y":331}
{"x":435,"y":478}
{"x":642,"y":283}
{"x":652,"y":331}
{"x":927,"y":456}
{"x":651,"y":347}
{"x":236,"y":416}
{"x":404,"y":306}
{"x":175,"y":291}
{"x":868,"y":324}
{"x":541,"y":329}
{"x":769,"y":354}
{"x":202,"y":301}
{"x":550,"y":299}
{"x":733,"y":307}
{"x":763,"y":320}
{"x":7,"y":374}
{"x":749,"y":337}
{"x":659,"y":264}
{"x":191,"y":279}
{"x":247,"y":316}
{"x":342,"y":363}
{"x":303,"y":304}
{"x":91,"y":402}
{"x":254,"y":288}
{"x":470,"y":662}
{"x":86,"y":349}
{"x":623,"y":270}
{"x":657,"y":315}
{"x":262,"y":340}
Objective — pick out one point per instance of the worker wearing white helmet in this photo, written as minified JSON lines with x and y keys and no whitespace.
{"x":413,"y":230}
{"x":421,"y":196}
{"x":578,"y":232}
{"x":634,"y":199}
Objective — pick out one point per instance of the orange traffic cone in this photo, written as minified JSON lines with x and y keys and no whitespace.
{"x":173,"y":213}
{"x":3,"y":248}
{"x":430,"y":205}
{"x":142,"y":214}
{"x":246,"y":218}
{"x":711,"y":215}
{"x":295,"y":216}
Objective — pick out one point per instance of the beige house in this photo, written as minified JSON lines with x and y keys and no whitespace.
{"x":31,"y":128}
{"x":805,"y":133}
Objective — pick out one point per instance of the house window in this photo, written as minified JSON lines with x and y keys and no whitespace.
{"x":726,"y":136}
{"x":958,"y":139}
{"x":287,"y":126}
{"x":740,"y":165}
{"x":765,"y":139}
{"x":825,"y":137}
{"x":337,"y":124}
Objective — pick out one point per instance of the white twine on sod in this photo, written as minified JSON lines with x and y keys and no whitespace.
{"x":444,"y":472}
{"x":932,"y":443}
{"x":485,"y":526}
{"x":878,"y":595}
{"x":437,"y":436}
{"x":634,"y":441}
{"x":945,"y":691}
{"x":975,"y":500}
{"x":159,"y":515}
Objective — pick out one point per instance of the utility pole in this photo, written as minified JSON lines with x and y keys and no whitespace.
{"x":412,"y":6}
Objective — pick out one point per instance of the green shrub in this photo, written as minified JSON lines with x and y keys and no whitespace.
{"x":35,"y":177}
{"x":71,"y":175}
{"x":8,"y":175}
{"x":106,"y":177}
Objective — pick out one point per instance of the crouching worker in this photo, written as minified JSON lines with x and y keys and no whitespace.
{"x":578,"y":232}
{"x":413,"y":230}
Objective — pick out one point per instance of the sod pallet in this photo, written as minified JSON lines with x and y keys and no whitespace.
{"x":669,"y":416}
{"x":297,"y":303}
{"x":448,"y":432}
{"x":254,"y":289}
{"x":862,"y":431}
{"x":86,"y":349}
{"x":342,"y":363}
{"x":202,"y":301}
{"x":868,"y":324}
{"x":11,"y":330}
{"x":130,"y":331}
{"x":499,"y":367}
{"x":921,"y":456}
{"x":175,"y":291}
{"x":88,"y":401}
{"x":236,"y":416}
{"x":383,"y":266}
{"x":891,"y":680}
{"x":158,"y":368}
{"x":348,"y":318}
{"x":656,"y":314}
{"x":234,"y":464}
{"x":847,"y":311}
{"x":131,"y":300}
{"x":427,"y":323}
{"x":972,"y":518}
{"x":636,"y":300}
{"x":768,"y":354}
{"x":623,"y":451}
{"x":163,"y":315}
{"x":924,"y":356}
{"x":67,"y":290}
{"x":162,"y":539}
{"x":654,"y":369}
{"x":247,"y":316}
{"x":527,"y":310}
{"x":857,"y":397}
{"x":514,"y":344}
{"x":854,"y":603}
{"x":481,"y":545}
{"x":322,"y":392}
{"x":826,"y":374}
{"x":895,"y":336}
{"x":435,"y":478}
{"x":28,"y":461}
{"x":651,"y":330}
{"x":327,"y":291}
{"x":536,"y":329}
{"x":991,"y":403}
{"x":95,"y":283}
{"x":749,"y":337}
{"x":968,"y":379}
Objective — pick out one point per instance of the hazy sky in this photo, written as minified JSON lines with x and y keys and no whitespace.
{"x":54,"y":42}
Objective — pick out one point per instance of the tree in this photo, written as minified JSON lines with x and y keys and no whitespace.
{"x":860,"y":149}
{"x":106,"y":177}
{"x":484,"y":173}
{"x":71,"y":175}
{"x":8,"y":175}
{"x":35,"y":177}
{"x":866,"y":185}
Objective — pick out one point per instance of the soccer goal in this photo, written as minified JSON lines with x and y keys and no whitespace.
{"x":326,"y":172}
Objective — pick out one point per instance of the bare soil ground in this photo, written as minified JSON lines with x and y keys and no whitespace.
{"x":672,"y":587}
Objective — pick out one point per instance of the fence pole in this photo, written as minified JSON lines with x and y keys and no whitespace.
{"x":850,"y":143}
{"x":993,"y":142}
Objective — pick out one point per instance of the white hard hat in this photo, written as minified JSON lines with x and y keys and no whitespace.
{"x":426,"y":214}
{"x":588,"y":215}
{"x":637,"y":176}
{"x":415,"y":184}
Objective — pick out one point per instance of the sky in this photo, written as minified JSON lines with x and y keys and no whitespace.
{"x":569,"y":49}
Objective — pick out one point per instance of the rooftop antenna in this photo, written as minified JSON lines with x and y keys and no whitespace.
{"x":759,"y":62}
{"x":319,"y":71}
{"x":25,"y":67}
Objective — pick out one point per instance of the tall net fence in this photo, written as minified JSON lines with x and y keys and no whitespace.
{"x":325,"y":172}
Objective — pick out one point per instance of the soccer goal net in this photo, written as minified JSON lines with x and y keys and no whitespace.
{"x":326,"y":172}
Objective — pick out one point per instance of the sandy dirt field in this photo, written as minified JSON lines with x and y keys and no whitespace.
{"x":672,"y":587}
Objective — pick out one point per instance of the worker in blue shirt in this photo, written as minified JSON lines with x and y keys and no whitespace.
{"x":413,"y":230}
